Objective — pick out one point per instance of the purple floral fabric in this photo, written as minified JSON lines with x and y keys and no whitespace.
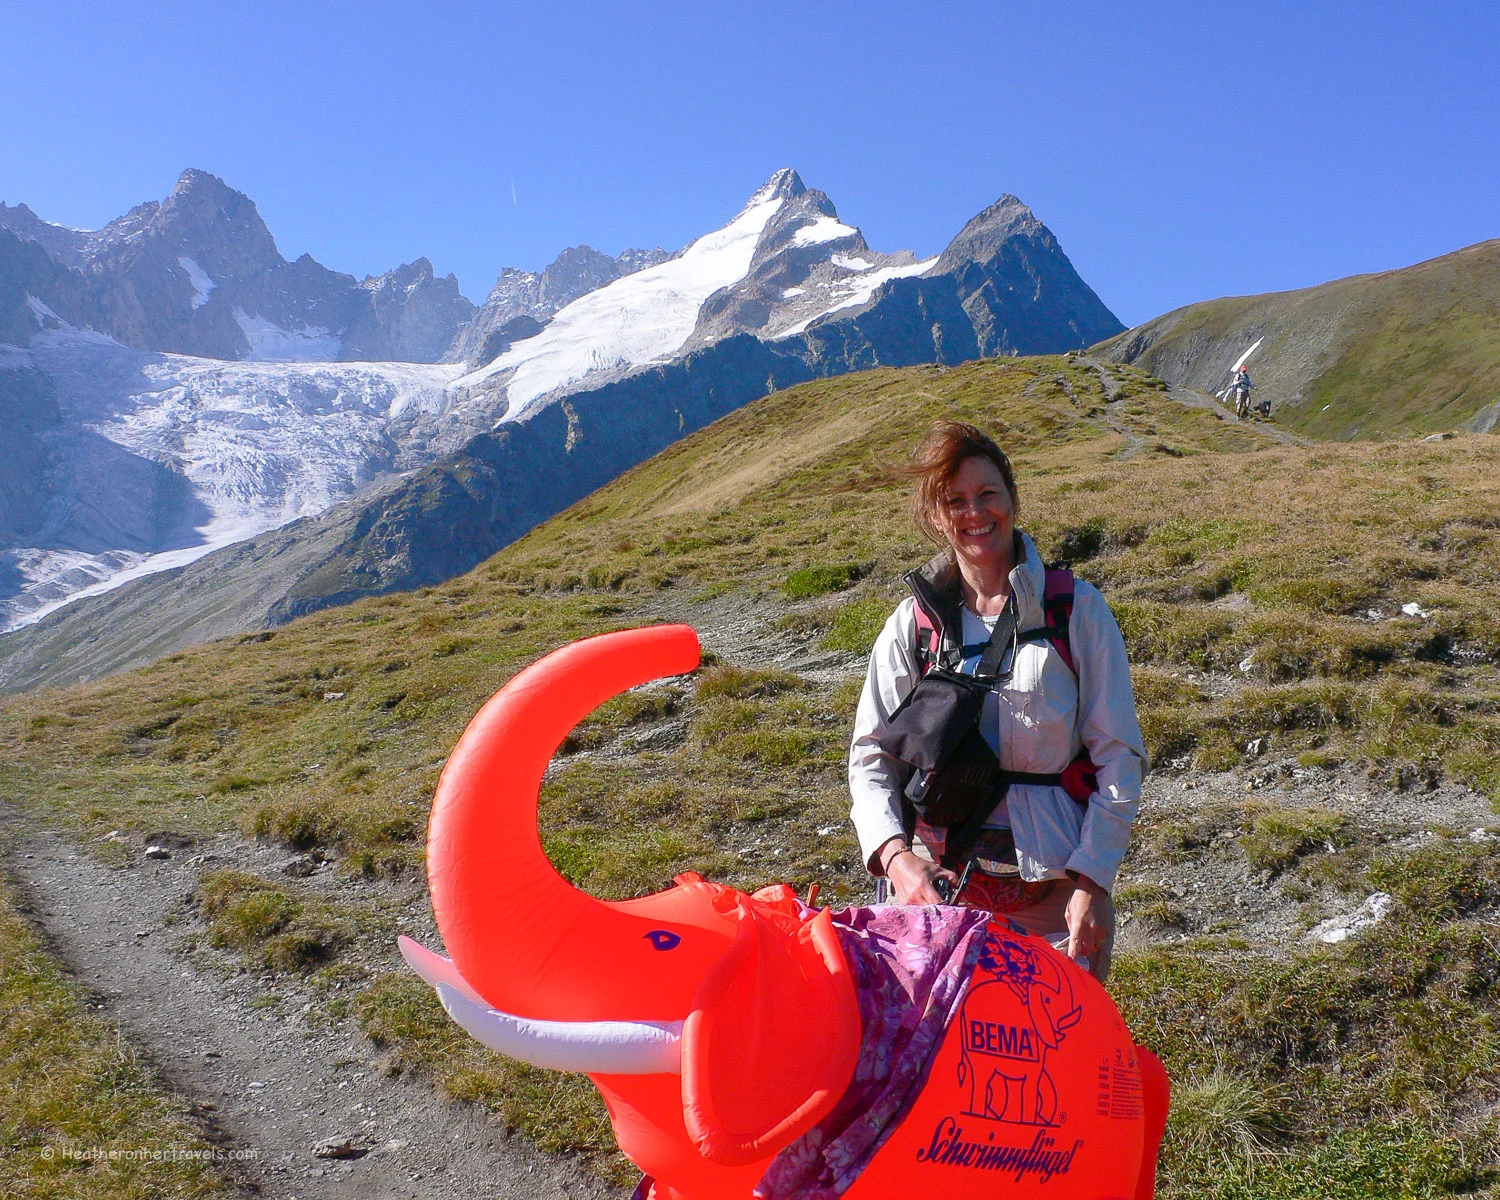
{"x":911,"y":968}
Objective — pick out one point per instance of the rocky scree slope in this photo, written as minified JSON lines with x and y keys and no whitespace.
{"x":1415,"y":350}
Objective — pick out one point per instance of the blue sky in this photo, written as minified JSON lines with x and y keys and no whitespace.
{"x":1178,"y":151}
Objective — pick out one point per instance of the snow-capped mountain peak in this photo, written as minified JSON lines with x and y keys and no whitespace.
{"x":784,"y":184}
{"x":809,"y":265}
{"x":641,"y":318}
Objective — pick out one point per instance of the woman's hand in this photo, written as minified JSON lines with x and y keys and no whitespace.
{"x":1091,"y":919}
{"x":913,"y":877}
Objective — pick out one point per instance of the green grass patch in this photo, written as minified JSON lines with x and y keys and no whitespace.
{"x":743,"y":683}
{"x":807,"y":582}
{"x":1387,"y":1161}
{"x":1442,"y":881}
{"x":1278,"y":837}
{"x":856,"y":626}
{"x":634,"y":708}
{"x":269,"y":924}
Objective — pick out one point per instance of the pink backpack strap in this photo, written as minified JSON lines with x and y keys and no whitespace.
{"x":1057,"y":606}
{"x":928,"y":638}
{"x":1079,"y":777}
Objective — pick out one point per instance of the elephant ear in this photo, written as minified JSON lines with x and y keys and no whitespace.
{"x":772,"y":1040}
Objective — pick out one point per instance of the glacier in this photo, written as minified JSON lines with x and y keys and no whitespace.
{"x":259,"y":443}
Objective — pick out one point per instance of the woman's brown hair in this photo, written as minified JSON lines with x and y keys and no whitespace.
{"x":935,"y":462}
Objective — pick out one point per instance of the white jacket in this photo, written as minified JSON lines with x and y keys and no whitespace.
{"x":1044,"y":714}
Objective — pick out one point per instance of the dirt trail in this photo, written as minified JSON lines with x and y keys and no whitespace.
{"x":1182,"y":395}
{"x":266,"y":1071}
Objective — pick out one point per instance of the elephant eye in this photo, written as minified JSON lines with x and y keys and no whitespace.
{"x":664,"y":939}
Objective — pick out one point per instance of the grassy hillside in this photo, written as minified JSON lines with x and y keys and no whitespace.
{"x":1409,"y":351}
{"x":1260,"y":588}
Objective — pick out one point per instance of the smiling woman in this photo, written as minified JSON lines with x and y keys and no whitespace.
{"x":996,"y":759}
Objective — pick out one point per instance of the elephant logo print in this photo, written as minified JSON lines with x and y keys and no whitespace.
{"x":1010,"y":1023}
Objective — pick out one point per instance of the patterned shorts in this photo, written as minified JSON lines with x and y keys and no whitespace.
{"x":994,"y":884}
{"x":1003,"y":893}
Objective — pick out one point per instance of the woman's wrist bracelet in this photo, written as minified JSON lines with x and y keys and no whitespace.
{"x":885,"y":863}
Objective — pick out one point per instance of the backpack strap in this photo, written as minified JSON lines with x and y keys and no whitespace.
{"x":1080,"y":777}
{"x":938,"y":634}
{"x":928,"y":639}
{"x":1057,"y":607}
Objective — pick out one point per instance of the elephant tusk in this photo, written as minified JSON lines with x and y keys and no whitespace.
{"x":435,"y":968}
{"x":595,"y":1047}
{"x":536,"y":943}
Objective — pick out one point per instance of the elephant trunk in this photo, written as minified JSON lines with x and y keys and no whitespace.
{"x":528,"y":941}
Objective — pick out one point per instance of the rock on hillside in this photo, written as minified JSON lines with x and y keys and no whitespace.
{"x":1414,"y":350}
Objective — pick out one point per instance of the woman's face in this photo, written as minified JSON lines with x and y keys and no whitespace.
{"x":979,"y":517}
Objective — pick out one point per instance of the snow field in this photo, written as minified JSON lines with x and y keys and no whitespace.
{"x":858,"y":289}
{"x":202,"y":284}
{"x":639,"y":319}
{"x":824,"y":229}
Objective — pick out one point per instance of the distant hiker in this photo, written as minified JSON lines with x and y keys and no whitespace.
{"x":1241,"y":387}
{"x":995,"y":655}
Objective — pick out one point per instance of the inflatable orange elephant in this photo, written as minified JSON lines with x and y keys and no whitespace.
{"x":721,"y":1028}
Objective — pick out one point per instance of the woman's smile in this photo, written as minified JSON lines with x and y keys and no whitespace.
{"x":979,"y":513}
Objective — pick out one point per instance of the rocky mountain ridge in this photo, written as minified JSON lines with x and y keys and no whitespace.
{"x":199,"y":273}
{"x":783,"y":293}
{"x":522,"y":302}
